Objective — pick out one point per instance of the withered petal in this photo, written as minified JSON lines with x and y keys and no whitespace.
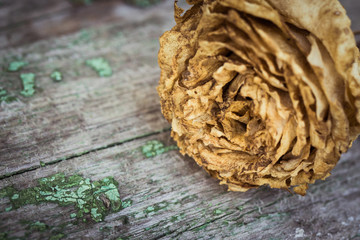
{"x":262,"y":92}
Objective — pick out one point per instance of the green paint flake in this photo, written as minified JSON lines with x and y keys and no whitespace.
{"x":16,"y":65}
{"x":95,"y":214}
{"x":156,"y":207}
{"x":15,"y":196}
{"x":155,"y":147}
{"x":126,"y":203}
{"x":97,"y":198}
{"x":56,"y":76}
{"x":4,"y":97}
{"x":218,"y":211}
{"x":177,"y":217}
{"x":101,"y":66}
{"x":150,"y":209}
{"x":38,"y":226}
{"x":28,"y":80}
{"x":226,"y":223}
{"x":174,"y":218}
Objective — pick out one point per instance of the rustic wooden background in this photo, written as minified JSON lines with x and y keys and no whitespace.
{"x":86,"y":154}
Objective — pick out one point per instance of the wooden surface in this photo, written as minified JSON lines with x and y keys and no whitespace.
{"x":103,"y":130}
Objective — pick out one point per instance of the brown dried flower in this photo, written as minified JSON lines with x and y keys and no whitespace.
{"x":262,"y":92}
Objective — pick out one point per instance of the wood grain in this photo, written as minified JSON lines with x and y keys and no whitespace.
{"x":83,"y":112}
{"x":189,"y":204}
{"x":96,"y":127}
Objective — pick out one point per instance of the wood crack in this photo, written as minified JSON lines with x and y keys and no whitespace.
{"x":76,"y":155}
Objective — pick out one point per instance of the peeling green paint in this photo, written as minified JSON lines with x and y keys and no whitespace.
{"x":56,"y":76}
{"x":126,"y":203}
{"x":4,"y":97}
{"x":28,"y":80}
{"x":96,"y":198}
{"x":218,"y":211}
{"x":16,"y":65}
{"x":2,"y":92}
{"x":177,"y":217}
{"x":101,"y":66}
{"x":154,"y":147}
{"x":226,"y":223}
{"x":15,"y":196}
{"x":156,"y":207}
{"x":38,"y":226}
{"x":240,"y":208}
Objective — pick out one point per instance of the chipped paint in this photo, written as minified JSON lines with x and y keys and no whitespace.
{"x":16,"y":65}
{"x":154,"y":147}
{"x":4,"y":97}
{"x":177,"y":217}
{"x":56,"y":76}
{"x":101,"y":66}
{"x":156,"y":207}
{"x":96,"y":198}
{"x":28,"y":81}
{"x":126,"y":203}
{"x":218,"y":211}
{"x":38,"y":226}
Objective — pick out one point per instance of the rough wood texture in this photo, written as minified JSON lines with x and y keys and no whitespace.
{"x":83,"y":112}
{"x":40,"y":19}
{"x":175,"y":199}
{"x":89,"y":128}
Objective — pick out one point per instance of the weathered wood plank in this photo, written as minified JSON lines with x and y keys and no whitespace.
{"x":39,"y":19}
{"x":22,"y":23}
{"x":83,"y":111}
{"x":17,"y":19}
{"x":168,"y":196}
{"x":171,"y":197}
{"x":15,"y":12}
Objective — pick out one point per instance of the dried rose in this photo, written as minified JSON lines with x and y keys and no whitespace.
{"x":262,"y":92}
